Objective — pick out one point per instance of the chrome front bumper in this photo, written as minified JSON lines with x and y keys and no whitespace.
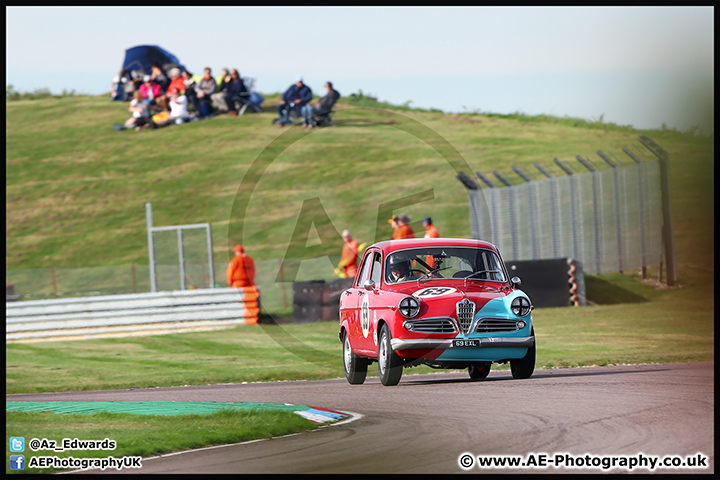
{"x":443,"y":344}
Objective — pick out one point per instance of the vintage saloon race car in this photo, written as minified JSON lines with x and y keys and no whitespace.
{"x":442,"y":302}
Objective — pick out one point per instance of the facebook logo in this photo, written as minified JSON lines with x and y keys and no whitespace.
{"x":17,"y":462}
{"x":17,"y":444}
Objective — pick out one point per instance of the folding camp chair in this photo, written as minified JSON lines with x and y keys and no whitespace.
{"x":249,"y":98}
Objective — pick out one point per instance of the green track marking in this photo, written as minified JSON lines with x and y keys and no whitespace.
{"x":146,"y":407}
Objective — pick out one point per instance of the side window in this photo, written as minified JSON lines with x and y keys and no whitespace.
{"x":365,"y":269}
{"x":377,"y":269}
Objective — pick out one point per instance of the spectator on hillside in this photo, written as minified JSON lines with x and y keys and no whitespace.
{"x":191,"y":91}
{"x":223,"y":78}
{"x":223,"y":86}
{"x":236,"y":91}
{"x":140,"y":114}
{"x":150,"y":91}
{"x":177,"y":82}
{"x":117,"y":87}
{"x":321,"y":107}
{"x":206,"y":88}
{"x":178,"y":109}
{"x":159,"y":77}
{"x":295,"y":97}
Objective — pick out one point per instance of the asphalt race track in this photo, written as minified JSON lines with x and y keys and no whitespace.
{"x":427,"y":422}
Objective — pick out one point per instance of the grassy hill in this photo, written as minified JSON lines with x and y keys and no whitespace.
{"x":76,"y":189}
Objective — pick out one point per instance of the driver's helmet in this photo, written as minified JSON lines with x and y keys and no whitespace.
{"x":399,"y":265}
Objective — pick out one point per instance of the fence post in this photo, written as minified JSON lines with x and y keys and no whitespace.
{"x":664,"y":157}
{"x":134,"y":281}
{"x":54,"y":281}
{"x":618,"y":226}
{"x":573,"y":213}
{"x":211,"y":265}
{"x":151,"y":247}
{"x":641,"y":201}
{"x":596,"y":203}
{"x":553,"y":208}
{"x":493,"y":209}
{"x":513,"y":226}
{"x":533,"y":226}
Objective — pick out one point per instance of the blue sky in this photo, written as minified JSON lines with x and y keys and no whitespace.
{"x":640,"y":66}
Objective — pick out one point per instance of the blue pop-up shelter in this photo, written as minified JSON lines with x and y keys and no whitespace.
{"x":141,"y":57}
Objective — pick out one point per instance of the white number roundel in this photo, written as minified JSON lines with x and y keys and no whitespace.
{"x":365,"y":316}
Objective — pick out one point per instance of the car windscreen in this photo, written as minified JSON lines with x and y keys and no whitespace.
{"x":437,"y":263}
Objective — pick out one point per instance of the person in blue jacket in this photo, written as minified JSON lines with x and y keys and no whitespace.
{"x":294,"y":98}
{"x":234,"y":92}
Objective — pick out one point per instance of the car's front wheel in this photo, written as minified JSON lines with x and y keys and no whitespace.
{"x":524,"y":367}
{"x":355,"y":366}
{"x":479,"y":371}
{"x":389,"y":363}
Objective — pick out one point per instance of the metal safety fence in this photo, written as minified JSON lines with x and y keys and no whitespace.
{"x":609,"y":220}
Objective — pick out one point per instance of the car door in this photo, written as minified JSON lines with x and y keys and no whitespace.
{"x":366,"y":300}
{"x":352,"y":301}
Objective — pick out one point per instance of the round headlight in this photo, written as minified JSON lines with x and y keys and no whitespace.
{"x":520,"y":306}
{"x":409,"y":307}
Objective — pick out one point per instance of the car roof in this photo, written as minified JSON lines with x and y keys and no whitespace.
{"x":389,"y":246}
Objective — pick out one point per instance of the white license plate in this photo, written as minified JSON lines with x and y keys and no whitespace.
{"x":466,"y":343}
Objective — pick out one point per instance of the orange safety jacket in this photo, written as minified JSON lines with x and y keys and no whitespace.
{"x":349,"y":257}
{"x":403,"y":231}
{"x":431,"y":232}
{"x":241,"y":271}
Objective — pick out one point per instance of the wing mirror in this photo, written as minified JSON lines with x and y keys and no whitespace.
{"x":369,"y":285}
{"x":515,"y":282}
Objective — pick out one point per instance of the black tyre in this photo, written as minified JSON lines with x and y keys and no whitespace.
{"x":524,"y":367}
{"x":355,"y":366}
{"x":479,"y":371}
{"x":389,"y":363}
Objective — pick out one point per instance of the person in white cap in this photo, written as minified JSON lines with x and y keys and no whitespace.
{"x":295,"y":97}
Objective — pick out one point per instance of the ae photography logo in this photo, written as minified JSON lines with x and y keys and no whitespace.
{"x":386,"y":131}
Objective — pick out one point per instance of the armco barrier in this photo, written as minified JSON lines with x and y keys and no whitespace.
{"x":130,"y":315}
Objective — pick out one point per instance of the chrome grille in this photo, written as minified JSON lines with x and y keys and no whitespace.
{"x":465,"y":312}
{"x":434,"y":325}
{"x":488,"y":325}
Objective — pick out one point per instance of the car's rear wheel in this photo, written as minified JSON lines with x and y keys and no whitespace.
{"x":479,"y":371}
{"x":389,"y":363}
{"x":524,"y":367}
{"x":355,"y":366}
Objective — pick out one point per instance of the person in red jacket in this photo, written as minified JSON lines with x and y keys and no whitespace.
{"x":241,"y":269}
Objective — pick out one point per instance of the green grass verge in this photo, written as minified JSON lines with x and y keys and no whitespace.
{"x":146,"y":435}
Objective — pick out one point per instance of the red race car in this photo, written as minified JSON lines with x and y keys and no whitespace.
{"x":442,"y":302}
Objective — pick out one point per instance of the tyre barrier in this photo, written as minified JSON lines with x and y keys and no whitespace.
{"x":131,"y":315}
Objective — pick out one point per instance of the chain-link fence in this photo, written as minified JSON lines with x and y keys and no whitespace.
{"x":609,"y":220}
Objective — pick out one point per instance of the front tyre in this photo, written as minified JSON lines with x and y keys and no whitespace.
{"x":479,"y":371}
{"x":389,"y":363}
{"x":355,"y":366}
{"x":524,"y":367}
